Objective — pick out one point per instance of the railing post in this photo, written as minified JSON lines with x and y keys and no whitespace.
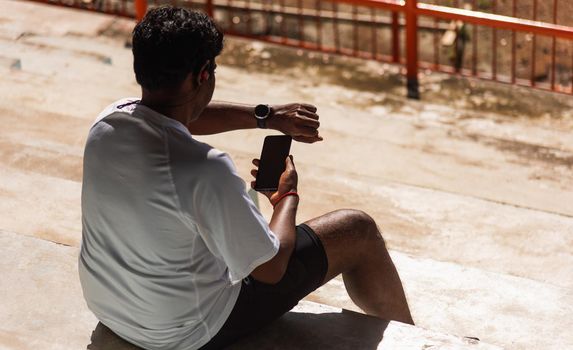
{"x":395,"y":37}
{"x":140,"y":9}
{"x":412,"y":49}
{"x":210,"y":9}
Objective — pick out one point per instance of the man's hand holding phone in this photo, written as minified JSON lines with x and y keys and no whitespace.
{"x":276,"y":177}
{"x":288,"y":181}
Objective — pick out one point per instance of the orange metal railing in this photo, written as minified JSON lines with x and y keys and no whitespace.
{"x":502,"y":41}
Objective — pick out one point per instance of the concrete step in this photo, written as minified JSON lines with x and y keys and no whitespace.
{"x":42,"y":305}
{"x":454,"y":154}
{"x":40,"y":280}
{"x":315,"y":326}
{"x":45,"y":58}
{"x":504,"y":310}
{"x":47,"y":311}
{"x":28,"y":17}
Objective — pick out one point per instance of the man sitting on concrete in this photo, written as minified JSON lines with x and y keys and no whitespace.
{"x":175,"y":255}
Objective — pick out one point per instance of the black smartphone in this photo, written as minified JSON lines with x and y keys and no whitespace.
{"x":272,"y":165}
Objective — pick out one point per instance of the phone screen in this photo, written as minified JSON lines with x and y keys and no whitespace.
{"x":272,"y":165}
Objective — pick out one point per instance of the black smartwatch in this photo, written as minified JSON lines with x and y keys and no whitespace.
{"x":262,"y":113}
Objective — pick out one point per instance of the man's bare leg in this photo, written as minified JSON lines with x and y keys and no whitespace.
{"x":355,"y":248}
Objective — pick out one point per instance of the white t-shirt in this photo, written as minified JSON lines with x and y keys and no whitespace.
{"x":168,"y":230}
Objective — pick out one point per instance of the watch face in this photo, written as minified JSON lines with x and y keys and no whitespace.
{"x":262,"y":111}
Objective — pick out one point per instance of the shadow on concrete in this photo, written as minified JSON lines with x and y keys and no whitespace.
{"x":301,"y":330}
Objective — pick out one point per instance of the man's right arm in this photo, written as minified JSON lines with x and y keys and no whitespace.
{"x":283,"y":225}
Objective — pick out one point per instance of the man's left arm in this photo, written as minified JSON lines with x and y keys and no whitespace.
{"x":298,"y":120}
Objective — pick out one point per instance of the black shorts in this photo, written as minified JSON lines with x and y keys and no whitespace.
{"x":259,"y":303}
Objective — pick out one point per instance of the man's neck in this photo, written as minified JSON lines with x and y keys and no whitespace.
{"x":184,"y":111}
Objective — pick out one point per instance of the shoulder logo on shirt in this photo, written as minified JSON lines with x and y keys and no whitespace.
{"x":131,"y":105}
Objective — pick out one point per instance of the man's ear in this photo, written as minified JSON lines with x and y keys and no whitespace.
{"x":204,"y":74}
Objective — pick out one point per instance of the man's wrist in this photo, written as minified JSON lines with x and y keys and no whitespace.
{"x":286,"y":197}
{"x":271,"y":121}
{"x":289,"y":203}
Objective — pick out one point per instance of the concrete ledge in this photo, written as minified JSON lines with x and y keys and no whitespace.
{"x":497,"y":308}
{"x":43,"y":308}
{"x":41,"y":299}
{"x":315,"y":326}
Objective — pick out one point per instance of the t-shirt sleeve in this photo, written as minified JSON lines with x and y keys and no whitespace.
{"x":228,"y":221}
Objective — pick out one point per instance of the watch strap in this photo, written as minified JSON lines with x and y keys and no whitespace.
{"x":261,"y":123}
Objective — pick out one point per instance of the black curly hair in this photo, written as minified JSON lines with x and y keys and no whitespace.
{"x":171,"y":42}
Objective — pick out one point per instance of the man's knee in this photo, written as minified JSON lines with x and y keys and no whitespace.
{"x":362,"y":223}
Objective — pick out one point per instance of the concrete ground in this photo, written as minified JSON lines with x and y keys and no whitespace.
{"x":472,"y":186}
